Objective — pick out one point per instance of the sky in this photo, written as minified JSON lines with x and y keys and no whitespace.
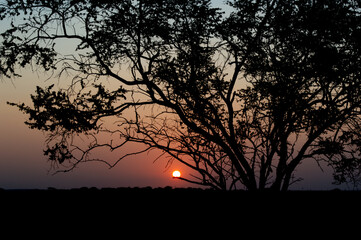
{"x":23,"y":165}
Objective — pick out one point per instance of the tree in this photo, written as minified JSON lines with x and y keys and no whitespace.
{"x":242,"y":100}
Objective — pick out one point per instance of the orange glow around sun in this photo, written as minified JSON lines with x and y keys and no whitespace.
{"x":176,"y":174}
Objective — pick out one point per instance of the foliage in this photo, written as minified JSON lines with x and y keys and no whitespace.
{"x":242,"y":100}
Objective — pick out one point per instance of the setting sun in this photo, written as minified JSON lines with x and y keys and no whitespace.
{"x":176,"y":174}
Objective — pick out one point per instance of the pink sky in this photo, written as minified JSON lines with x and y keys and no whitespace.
{"x":23,"y":165}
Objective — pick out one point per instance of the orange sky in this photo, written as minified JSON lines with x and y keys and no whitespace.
{"x":23,"y":165}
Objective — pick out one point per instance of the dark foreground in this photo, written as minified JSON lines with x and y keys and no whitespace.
{"x":188,"y":202}
{"x":183,"y":198}
{"x":165,"y":211}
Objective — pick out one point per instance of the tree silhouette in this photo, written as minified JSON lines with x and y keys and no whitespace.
{"x":241,"y":99}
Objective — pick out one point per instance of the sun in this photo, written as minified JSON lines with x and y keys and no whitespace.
{"x":176,"y":174}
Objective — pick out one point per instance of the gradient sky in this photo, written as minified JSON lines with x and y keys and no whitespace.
{"x":23,"y":165}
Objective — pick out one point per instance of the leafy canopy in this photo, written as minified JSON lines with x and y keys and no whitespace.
{"x":241,"y":99}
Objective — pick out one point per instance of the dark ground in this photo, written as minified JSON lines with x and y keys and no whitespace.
{"x":185,"y":198}
{"x":158,"y":212}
